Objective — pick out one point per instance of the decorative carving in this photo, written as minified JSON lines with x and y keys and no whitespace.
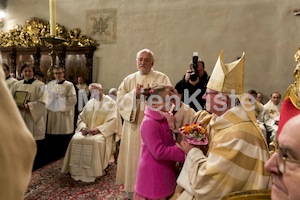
{"x":34,"y":29}
{"x":30,"y":44}
{"x":102,"y":25}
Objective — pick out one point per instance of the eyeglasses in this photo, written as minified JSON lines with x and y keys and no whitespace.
{"x":282,"y":158}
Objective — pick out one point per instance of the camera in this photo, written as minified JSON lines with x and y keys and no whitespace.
{"x":194,"y":74}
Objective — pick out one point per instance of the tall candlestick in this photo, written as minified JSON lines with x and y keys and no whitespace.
{"x":52,"y":5}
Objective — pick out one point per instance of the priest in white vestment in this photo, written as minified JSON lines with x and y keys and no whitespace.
{"x":90,"y":148}
{"x":17,"y":148}
{"x":131,"y":108}
{"x":272,"y":114}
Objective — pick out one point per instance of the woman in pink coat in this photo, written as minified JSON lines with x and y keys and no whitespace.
{"x":156,"y":174}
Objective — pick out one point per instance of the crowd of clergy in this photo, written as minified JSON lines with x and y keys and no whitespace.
{"x":88,"y":128}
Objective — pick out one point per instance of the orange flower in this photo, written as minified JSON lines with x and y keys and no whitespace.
{"x":202,"y":129}
{"x":193,"y":131}
{"x":194,"y":134}
{"x":187,"y":129}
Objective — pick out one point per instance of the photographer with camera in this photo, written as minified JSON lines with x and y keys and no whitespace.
{"x":193,"y":85}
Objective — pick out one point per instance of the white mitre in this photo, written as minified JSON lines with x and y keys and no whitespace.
{"x":227,"y":77}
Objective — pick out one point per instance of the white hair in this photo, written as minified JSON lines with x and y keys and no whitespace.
{"x":95,"y":85}
{"x":112,"y":90}
{"x":145,"y":50}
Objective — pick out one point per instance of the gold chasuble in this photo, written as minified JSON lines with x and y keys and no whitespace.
{"x":235,"y":159}
{"x":237,"y":148}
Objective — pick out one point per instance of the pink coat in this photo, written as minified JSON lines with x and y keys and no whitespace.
{"x":156,"y":174}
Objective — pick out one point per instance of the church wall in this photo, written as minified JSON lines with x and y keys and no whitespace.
{"x":267,"y":31}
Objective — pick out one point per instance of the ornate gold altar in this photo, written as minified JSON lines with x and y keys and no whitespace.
{"x":23,"y":44}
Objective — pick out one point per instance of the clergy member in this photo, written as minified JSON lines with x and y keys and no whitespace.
{"x":90,"y":148}
{"x":131,"y":107}
{"x":272,"y":114}
{"x":29,"y":93}
{"x":61,"y":100}
{"x":237,"y":148}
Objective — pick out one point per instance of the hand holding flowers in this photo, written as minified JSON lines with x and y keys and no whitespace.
{"x":194,"y":134}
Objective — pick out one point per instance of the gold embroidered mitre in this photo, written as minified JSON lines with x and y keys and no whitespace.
{"x":227,"y":77}
{"x":293,"y":91}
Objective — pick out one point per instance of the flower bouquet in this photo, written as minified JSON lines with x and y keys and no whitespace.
{"x":194,"y":134}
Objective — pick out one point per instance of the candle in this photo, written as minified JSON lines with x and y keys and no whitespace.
{"x":52,"y":5}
